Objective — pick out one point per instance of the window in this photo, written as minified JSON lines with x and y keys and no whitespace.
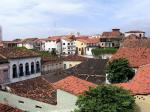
{"x":21,"y":70}
{"x":36,"y":106}
{"x":14,"y":71}
{"x":68,"y":43}
{"x":63,"y":43}
{"x":79,"y":49}
{"x":71,"y":43}
{"x":68,"y":52}
{"x":32,"y":68}
{"x":65,"y":66}
{"x":87,"y":48}
{"x":37,"y":67}
{"x":27,"y":69}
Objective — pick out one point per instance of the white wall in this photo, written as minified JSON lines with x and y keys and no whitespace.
{"x":137,"y":34}
{"x":28,"y":46}
{"x":70,"y":64}
{"x":23,"y":61}
{"x":65,"y":102}
{"x":49,"y":45}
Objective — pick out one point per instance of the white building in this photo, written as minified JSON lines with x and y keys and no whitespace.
{"x":23,"y":64}
{"x":52,"y":44}
{"x":137,"y":33}
{"x":29,"y":43}
{"x":68,"y":46}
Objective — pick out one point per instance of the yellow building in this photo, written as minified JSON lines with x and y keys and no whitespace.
{"x":81,"y":46}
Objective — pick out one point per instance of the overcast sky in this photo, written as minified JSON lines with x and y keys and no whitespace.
{"x":41,"y":18}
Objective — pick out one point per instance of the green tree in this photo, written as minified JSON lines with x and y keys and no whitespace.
{"x":106,"y":98}
{"x":119,"y":71}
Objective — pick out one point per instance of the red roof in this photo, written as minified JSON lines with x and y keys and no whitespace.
{"x":55,"y":38}
{"x":6,"y":108}
{"x":74,"y":85}
{"x":140,"y":84}
{"x":90,"y":40}
{"x":136,"y":56}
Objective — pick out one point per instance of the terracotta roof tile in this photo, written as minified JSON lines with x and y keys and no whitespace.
{"x":140,"y":84}
{"x":133,"y":41}
{"x":55,"y":38}
{"x":90,"y":40}
{"x":74,"y":85}
{"x":6,"y":108}
{"x":75,"y":58}
{"x":17,"y":53}
{"x":114,"y":34}
{"x":29,"y":40}
{"x":36,"y":88}
{"x":136,"y":56}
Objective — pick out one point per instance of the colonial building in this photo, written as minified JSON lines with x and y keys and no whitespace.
{"x":140,"y":88}
{"x":11,"y":44}
{"x":53,"y":44}
{"x":52,"y":67}
{"x":29,"y":43}
{"x":4,"y":70}
{"x":111,"y":39}
{"x":85,"y":46}
{"x":137,"y":33}
{"x":71,"y":87}
{"x":68,"y":45}
{"x":23,"y":64}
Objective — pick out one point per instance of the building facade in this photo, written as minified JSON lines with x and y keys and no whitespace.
{"x":68,"y":46}
{"x":111,"y":39}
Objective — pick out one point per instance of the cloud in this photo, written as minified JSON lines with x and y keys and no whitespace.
{"x":24,"y":18}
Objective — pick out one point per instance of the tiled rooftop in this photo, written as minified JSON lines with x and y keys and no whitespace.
{"x":140,"y":84}
{"x":136,"y":56}
{"x":6,"y":108}
{"x":133,"y":41}
{"x":89,"y":40}
{"x":74,"y":85}
{"x":29,"y":40}
{"x":114,"y":34}
{"x":17,"y":53}
{"x":75,"y":58}
{"x":36,"y":88}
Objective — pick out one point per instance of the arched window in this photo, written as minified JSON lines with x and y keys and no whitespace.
{"x":27,"y":69}
{"x":37,"y":67}
{"x":32,"y":68}
{"x":14,"y":70}
{"x":21,"y":70}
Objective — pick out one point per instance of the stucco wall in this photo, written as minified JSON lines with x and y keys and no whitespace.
{"x":23,"y":61}
{"x":70,"y":64}
{"x":4,"y":73}
{"x":65,"y":102}
{"x":143,"y":103}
